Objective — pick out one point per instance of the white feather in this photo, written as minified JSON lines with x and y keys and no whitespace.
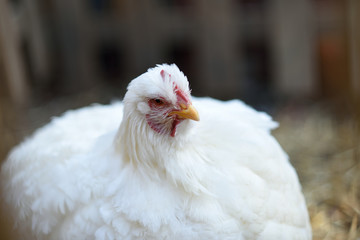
{"x":224,"y":177}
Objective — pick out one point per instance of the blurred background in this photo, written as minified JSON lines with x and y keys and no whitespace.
{"x":297,"y":60}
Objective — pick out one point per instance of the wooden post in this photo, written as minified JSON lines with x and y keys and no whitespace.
{"x":13,"y":67}
{"x":292,"y":36}
{"x":354,"y":53}
{"x":354,"y":38}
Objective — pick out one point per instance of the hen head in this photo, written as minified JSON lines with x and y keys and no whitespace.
{"x":161,"y":97}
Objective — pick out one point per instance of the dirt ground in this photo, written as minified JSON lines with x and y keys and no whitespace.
{"x":324,"y":150}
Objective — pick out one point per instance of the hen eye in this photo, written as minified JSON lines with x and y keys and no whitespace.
{"x":158,"y":101}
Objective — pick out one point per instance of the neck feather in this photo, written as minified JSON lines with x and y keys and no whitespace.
{"x":159,"y":156}
{"x":143,"y":147}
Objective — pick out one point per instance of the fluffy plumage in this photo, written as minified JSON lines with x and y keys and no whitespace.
{"x":159,"y":175}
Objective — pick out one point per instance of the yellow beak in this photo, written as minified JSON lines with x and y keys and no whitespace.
{"x":187,"y":112}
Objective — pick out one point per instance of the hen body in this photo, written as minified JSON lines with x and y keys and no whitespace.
{"x":224,"y":177}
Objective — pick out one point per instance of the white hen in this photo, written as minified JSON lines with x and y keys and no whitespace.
{"x":159,"y":175}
